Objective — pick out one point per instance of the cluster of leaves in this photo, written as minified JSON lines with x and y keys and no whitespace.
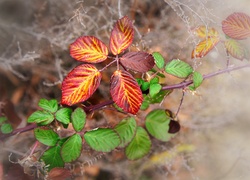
{"x":236,"y":27}
{"x":84,"y":79}
{"x":126,"y":134}
{"x":62,"y":149}
{"x":128,"y":94}
{"x":6,"y":127}
{"x":152,"y":89}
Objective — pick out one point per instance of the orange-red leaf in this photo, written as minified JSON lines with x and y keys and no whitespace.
{"x":237,"y":26}
{"x":203,"y":32}
{"x":205,"y":47}
{"x":236,"y":49}
{"x":80,"y":84}
{"x":89,"y":49}
{"x":122,"y":35}
{"x":138,"y":61}
{"x":125,"y":91}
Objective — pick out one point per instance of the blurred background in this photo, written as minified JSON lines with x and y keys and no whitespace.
{"x":34,"y":58}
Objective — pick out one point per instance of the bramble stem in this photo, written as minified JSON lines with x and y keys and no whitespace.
{"x":207,"y":76}
{"x":97,"y":106}
{"x":109,"y":102}
{"x":19,"y":130}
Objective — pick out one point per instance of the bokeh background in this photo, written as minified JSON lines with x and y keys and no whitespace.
{"x":34,"y":57}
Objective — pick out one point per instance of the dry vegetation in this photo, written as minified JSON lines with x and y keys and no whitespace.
{"x":34,"y":58}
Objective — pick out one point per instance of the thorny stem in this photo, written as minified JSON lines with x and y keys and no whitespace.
{"x":18,"y":131}
{"x":109,"y":102}
{"x":34,"y":148}
{"x":179,"y":108}
{"x":207,"y":76}
{"x":98,"y":106}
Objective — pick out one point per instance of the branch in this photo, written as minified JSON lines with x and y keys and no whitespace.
{"x":109,"y":102}
{"x":207,"y":76}
{"x":18,"y":131}
{"x":97,"y":106}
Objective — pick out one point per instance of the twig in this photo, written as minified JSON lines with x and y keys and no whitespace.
{"x":119,"y":9}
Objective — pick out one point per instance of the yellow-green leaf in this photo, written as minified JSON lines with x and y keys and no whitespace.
{"x":205,"y":46}
{"x":236,"y":49}
{"x":204,"y":32}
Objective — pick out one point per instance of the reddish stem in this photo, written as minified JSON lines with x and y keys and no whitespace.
{"x":34,"y":148}
{"x":98,"y":106}
{"x":18,"y":131}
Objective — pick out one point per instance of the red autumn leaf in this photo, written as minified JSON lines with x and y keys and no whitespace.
{"x":125,"y":91}
{"x":80,"y":84}
{"x":236,"y":49}
{"x":237,"y":26}
{"x":89,"y":49}
{"x":203,"y":32}
{"x":138,"y":61}
{"x":205,"y":46}
{"x":122,"y":35}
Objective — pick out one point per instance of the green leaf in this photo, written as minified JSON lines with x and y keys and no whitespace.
{"x":44,"y":123}
{"x":126,"y":130}
{"x":157,"y":124}
{"x":72,"y":148}
{"x":146,"y":102}
{"x":154,"y":89}
{"x":62,"y":141}
{"x":197,"y":80}
{"x":49,"y":105}
{"x":2,"y":119}
{"x":139,"y":81}
{"x":145,"y":86}
{"x":40,"y":116}
{"x":52,"y":157}
{"x":144,"y":105}
{"x":46,"y":136}
{"x":6,"y":128}
{"x":63,"y":115}
{"x":139,"y":146}
{"x":178,"y":68}
{"x":158,"y":98}
{"x":159,"y":60}
{"x":78,"y":119}
{"x":102,"y":139}
{"x":155,"y":80}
